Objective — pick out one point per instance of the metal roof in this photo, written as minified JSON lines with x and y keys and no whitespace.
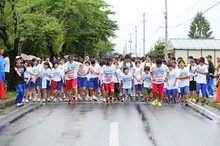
{"x":194,"y":44}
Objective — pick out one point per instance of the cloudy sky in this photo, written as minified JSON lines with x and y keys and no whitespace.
{"x":129,"y":13}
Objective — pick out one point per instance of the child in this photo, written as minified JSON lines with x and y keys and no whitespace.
{"x":126,"y":83}
{"x":27,"y":78}
{"x":137,"y":74}
{"x":55,"y":80}
{"x":172,"y":88}
{"x":193,"y":78}
{"x":217,"y":72}
{"x":202,"y":71}
{"x":102,"y":63}
{"x":117,"y":86}
{"x":94,"y":80}
{"x":82,"y":81}
{"x":158,"y":76}
{"x":19,"y":80}
{"x":107,"y":74}
{"x":36,"y":82}
{"x":62,"y":68}
{"x":184,"y":81}
{"x":147,"y":83}
{"x":45,"y":75}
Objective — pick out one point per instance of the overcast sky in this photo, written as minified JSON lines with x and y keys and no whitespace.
{"x":129,"y":13}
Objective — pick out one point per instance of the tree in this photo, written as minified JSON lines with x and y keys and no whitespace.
{"x":104,"y":46}
{"x":200,"y":28}
{"x":158,"y":50}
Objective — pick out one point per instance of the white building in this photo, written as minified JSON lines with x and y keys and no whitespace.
{"x":194,"y":47}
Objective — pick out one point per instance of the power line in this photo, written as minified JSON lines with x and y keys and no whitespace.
{"x":160,"y":27}
{"x":193,"y":17}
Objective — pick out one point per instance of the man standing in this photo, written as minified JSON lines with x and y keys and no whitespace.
{"x":147,"y":62}
{"x":210,"y":74}
{"x":128,"y":63}
{"x":7,"y":67}
{"x":2,"y":70}
{"x":46,"y":59}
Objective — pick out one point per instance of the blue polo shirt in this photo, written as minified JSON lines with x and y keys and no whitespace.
{"x":2,"y":68}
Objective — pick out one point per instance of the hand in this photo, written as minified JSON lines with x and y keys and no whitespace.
{"x":174,"y":84}
{"x":19,"y":75}
{"x":34,"y":82}
{"x":69,"y":69}
{"x":149,"y":87}
{"x":133,"y":87}
{"x":154,"y":79}
{"x":210,"y":74}
{"x":168,"y":84}
{"x":191,"y":76}
{"x":165,"y":80}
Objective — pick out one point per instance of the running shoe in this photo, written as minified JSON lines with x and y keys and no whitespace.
{"x":18,"y":104}
{"x":74,"y":99}
{"x":186,"y":103}
{"x":86,"y":98}
{"x":55,"y":99}
{"x":69,"y":102}
{"x":122,"y":100}
{"x":90,"y":99}
{"x":174,"y":100}
{"x":60,"y":99}
{"x":38,"y":99}
{"x":197,"y":100}
{"x":111,"y":100}
{"x":154,"y":102}
{"x":23,"y":100}
{"x":203,"y":103}
{"x":35,"y":99}
{"x":94,"y":98}
{"x":43,"y":100}
{"x":48,"y":99}
{"x":107,"y":102}
{"x":104,"y":100}
{"x":136,"y":97}
{"x":193,"y":100}
{"x":146,"y":102}
{"x":142,"y":99}
{"x":159,"y":104}
{"x":27,"y":101}
{"x":168,"y":101}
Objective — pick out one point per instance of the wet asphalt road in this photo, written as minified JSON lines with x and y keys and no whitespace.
{"x":89,"y":124}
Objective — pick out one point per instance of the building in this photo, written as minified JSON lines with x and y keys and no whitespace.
{"x":194,"y":47}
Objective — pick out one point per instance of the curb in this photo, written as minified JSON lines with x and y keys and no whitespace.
{"x":5,"y":104}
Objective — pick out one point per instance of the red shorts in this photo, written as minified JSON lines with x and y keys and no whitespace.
{"x":110,"y":85}
{"x":156,"y":87}
{"x":70,"y":84}
{"x":53,"y":84}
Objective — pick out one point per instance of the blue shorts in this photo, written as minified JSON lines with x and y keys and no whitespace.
{"x":202,"y":87}
{"x":184,"y":90}
{"x":2,"y":77}
{"x":125,"y":91}
{"x":172,"y":92}
{"x":82,"y":82}
{"x":93,"y":83}
{"x":37,"y":83}
{"x":63,"y":84}
{"x":28,"y":86}
{"x":100,"y":84}
{"x":164,"y":90}
{"x":59,"y":85}
{"x":48,"y":86}
{"x":138,"y":87}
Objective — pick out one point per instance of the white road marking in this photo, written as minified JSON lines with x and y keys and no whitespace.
{"x":206,"y":110}
{"x":16,"y":110}
{"x":113,"y":141}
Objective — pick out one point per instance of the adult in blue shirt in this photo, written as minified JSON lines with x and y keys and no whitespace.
{"x":2,"y":69}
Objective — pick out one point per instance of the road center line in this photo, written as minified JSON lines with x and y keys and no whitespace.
{"x":206,"y":110}
{"x":113,"y":141}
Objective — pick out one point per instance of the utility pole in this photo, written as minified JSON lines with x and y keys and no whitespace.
{"x":136,"y":40}
{"x":130,"y":44}
{"x":166,"y":31}
{"x":143,"y":34}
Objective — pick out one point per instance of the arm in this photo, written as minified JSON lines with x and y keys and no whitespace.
{"x":16,"y":70}
{"x":116,"y":76}
{"x":121,"y":83}
{"x":152,"y":76}
{"x":101,"y":78}
{"x":150,"y":85}
{"x":141,"y":75}
{"x":30,"y":72}
{"x":133,"y":83}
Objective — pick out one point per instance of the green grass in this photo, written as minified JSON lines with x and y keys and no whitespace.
{"x":10,"y":95}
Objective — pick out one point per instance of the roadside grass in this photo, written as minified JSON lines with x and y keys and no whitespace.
{"x":10,"y":95}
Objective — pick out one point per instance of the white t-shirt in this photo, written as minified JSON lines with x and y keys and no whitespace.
{"x":26,"y":74}
{"x":93,"y":74}
{"x":171,"y":79}
{"x":62,"y":68}
{"x":201,"y":79}
{"x":45,"y":73}
{"x":138,"y":75}
{"x":191,"y":72}
{"x":147,"y":64}
{"x":159,"y":73}
{"x":127,"y":81}
{"x":119,"y":73}
{"x":128,"y":65}
{"x":85,"y":70}
{"x":35,"y":69}
{"x":108,"y":74}
{"x":7,"y":64}
{"x":147,"y":79}
{"x":56,"y":74}
{"x":72,"y":74}
{"x":184,"y":72}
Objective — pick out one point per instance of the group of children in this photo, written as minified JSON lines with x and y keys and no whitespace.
{"x":78,"y":79}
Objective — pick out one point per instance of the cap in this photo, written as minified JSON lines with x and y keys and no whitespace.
{"x":218,"y":58}
{"x":109,"y":59}
{"x":191,"y":61}
{"x":201,"y":57}
{"x":70,"y":57}
{"x":18,"y":57}
{"x":209,"y":56}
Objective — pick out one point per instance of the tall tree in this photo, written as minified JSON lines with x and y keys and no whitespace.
{"x":158,"y":50}
{"x":200,"y":28}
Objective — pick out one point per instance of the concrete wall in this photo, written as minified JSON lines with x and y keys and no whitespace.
{"x":197,"y":53}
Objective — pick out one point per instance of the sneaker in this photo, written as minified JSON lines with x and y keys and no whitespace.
{"x":55,"y":99}
{"x":107,"y":102}
{"x":23,"y":100}
{"x":69,"y":102}
{"x":48,"y":99}
{"x":142,"y":99}
{"x":60,"y":99}
{"x":27,"y":101}
{"x":43,"y":100}
{"x":193,"y":100}
{"x":136,"y":97}
{"x":94,"y":98}
{"x":18,"y":104}
{"x":80,"y":99}
{"x":104,"y":100}
{"x":74,"y":99}
{"x":38,"y":99}
{"x":111,"y":99}
{"x":21,"y":104}
{"x":168,"y":101}
{"x":174,"y":100}
{"x":203,"y":103}
{"x":154,"y":102}
{"x":186,"y":103}
{"x":101,"y":99}
{"x":90,"y":99}
{"x":197,"y":100}
{"x":35,"y":99}
{"x":86,"y":98}
{"x":122,"y":100}
{"x":146,"y":102}
{"x":182,"y":102}
{"x":159,"y":104}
